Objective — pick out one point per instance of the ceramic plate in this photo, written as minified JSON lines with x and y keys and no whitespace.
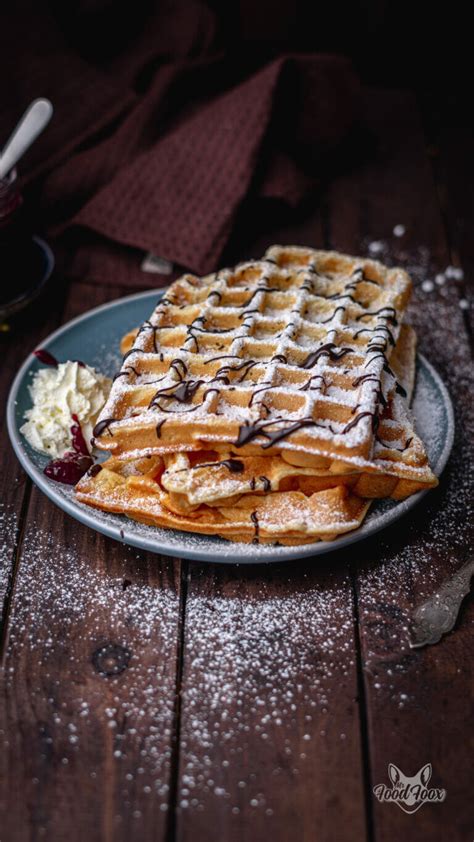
{"x":94,"y":338}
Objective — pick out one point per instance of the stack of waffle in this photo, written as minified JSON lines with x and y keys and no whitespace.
{"x":267,"y":403}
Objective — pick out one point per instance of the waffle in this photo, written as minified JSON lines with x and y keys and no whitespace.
{"x":289,"y":353}
{"x":266,"y":403}
{"x":399,"y":466}
{"x":133,"y":488}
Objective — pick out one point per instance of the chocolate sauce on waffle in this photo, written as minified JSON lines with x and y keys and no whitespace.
{"x":340,"y":309}
{"x":101,"y":426}
{"x":147,"y":325}
{"x":254,"y":394}
{"x":400,"y":390}
{"x":158,"y":428}
{"x":126,"y":372}
{"x":307,"y":386}
{"x":182,"y":392}
{"x":355,"y":421}
{"x":390,"y":318}
{"x":96,"y":469}
{"x":250,"y":431}
{"x":247,"y":365}
{"x":235,"y":466}
{"x":215,"y":292}
{"x":254,"y":519}
{"x":179,"y":367}
{"x":328,"y":350}
{"x":390,"y":446}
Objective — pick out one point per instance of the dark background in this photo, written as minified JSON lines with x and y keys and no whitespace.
{"x":394,"y":43}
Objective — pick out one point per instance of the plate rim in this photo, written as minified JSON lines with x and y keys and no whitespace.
{"x":120,"y":533}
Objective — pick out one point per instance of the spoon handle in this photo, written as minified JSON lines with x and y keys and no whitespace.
{"x":34,"y":120}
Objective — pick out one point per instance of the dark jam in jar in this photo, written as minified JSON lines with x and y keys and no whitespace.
{"x":19,"y":257}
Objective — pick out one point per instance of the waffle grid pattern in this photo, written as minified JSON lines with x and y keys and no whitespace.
{"x":298,"y":340}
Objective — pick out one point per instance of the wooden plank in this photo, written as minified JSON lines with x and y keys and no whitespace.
{"x":451,"y":140}
{"x":419,"y":702}
{"x":21,"y":335}
{"x":18,"y":337}
{"x":88,"y":688}
{"x":270,"y":738}
{"x":270,"y":726}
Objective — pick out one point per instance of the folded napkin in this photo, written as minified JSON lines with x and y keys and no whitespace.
{"x":155,"y":147}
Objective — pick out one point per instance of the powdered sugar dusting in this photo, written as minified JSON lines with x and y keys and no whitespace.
{"x":265,"y":670}
{"x":429,"y":549}
{"x":8,"y":536}
{"x":104,"y":644}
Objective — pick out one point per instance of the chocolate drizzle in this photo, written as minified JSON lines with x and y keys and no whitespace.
{"x":266,"y":484}
{"x":391,"y":447}
{"x":235,"y":466}
{"x":339,"y":309}
{"x":183,"y":392}
{"x":265,"y":388}
{"x":355,"y":421}
{"x":324,"y":350}
{"x":147,"y":325}
{"x":126,"y":372}
{"x":94,"y":470}
{"x":215,"y":292}
{"x":247,"y":365}
{"x":159,"y":427}
{"x":103,"y":425}
{"x":254,"y":519}
{"x":273,"y":431}
{"x":250,"y":431}
{"x":390,"y":317}
{"x":400,"y":390}
{"x":307,"y":386}
{"x":364,"y":378}
{"x":179,"y":367}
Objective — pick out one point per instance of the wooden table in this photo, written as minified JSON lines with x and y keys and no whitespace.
{"x":144,"y":698}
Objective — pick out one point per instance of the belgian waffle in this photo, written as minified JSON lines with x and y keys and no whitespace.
{"x":268,"y":402}
{"x":398,"y":468}
{"x":289,"y":353}
{"x":133,"y":488}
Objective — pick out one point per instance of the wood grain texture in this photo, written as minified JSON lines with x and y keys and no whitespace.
{"x":270,"y":719}
{"x":17,"y":338}
{"x":451,"y":142}
{"x":270,"y":737}
{"x":88,"y":694}
{"x":419,"y":703}
{"x":145,"y":699}
{"x":89,"y":682}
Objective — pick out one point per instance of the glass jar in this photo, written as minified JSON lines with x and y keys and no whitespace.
{"x":15,"y":242}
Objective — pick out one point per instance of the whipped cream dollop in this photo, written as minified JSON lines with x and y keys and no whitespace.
{"x":58,"y":393}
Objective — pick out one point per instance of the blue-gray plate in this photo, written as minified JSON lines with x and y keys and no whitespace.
{"x":94,"y":338}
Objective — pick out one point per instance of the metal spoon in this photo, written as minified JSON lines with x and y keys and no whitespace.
{"x":34,"y":120}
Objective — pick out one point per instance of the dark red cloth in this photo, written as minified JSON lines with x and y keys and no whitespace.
{"x":158,"y":137}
